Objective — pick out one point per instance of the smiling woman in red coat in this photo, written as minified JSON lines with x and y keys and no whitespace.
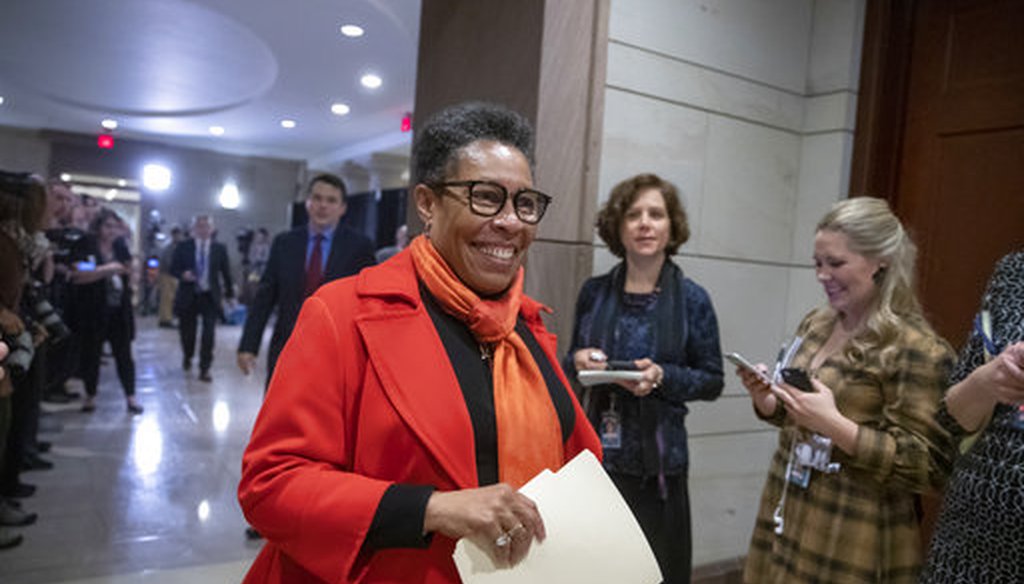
{"x":412,"y":400}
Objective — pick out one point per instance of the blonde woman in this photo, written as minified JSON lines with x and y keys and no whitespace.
{"x":839,"y":502}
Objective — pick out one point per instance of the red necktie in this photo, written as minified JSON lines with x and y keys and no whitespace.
{"x":315,"y":268}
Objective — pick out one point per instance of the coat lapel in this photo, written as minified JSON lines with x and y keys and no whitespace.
{"x":297,"y":269}
{"x":412,"y":365}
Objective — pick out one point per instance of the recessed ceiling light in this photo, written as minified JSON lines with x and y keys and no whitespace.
{"x":65,"y":177}
{"x":109,"y":124}
{"x":1,"y":100}
{"x":122,"y":183}
{"x":351,"y":30}
{"x":288,"y":124}
{"x":217,"y":130}
{"x":340,"y":109}
{"x":371,"y":81}
{"x":229,"y":196}
{"x":156,"y":177}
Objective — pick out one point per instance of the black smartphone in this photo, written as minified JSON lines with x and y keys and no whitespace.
{"x":622,"y":365}
{"x":797,"y":378}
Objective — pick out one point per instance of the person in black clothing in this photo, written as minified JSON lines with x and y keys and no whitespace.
{"x":62,"y":358}
{"x":102,"y":306}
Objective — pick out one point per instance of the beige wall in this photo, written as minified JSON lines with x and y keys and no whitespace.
{"x":24,"y":151}
{"x":748,"y":107}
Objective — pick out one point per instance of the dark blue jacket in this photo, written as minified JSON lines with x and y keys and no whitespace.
{"x":685,"y":345}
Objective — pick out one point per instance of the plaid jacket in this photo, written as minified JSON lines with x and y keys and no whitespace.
{"x":859,"y":524}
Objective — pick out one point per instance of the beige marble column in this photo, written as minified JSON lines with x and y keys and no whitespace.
{"x":546,"y":59}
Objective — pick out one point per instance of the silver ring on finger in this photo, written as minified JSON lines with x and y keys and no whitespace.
{"x":503,"y":540}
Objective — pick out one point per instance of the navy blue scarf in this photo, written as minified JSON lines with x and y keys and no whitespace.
{"x":670,"y":333}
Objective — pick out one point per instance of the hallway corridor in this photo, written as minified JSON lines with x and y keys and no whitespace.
{"x":148,"y":498}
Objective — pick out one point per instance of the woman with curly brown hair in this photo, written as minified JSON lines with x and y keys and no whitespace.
{"x":647,"y":313}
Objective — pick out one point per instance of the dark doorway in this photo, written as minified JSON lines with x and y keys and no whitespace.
{"x":941,"y":134}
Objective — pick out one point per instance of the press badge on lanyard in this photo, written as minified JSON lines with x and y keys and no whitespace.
{"x":611,"y":426}
{"x":812,"y":453}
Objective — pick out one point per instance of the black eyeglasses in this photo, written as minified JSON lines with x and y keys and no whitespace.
{"x":487,"y":199}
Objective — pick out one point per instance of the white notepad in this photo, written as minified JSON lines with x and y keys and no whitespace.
{"x":592,"y":536}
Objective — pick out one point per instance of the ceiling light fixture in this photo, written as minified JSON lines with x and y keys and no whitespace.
{"x":156,"y":177}
{"x":229,"y":196}
{"x":351,"y":30}
{"x":1,"y":100}
{"x":217,"y":130}
{"x":289,"y":124}
{"x":340,"y":109}
{"x":371,"y":81}
{"x":109,"y":124}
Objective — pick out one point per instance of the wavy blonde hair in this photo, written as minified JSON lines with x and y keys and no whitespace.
{"x":873,"y":231}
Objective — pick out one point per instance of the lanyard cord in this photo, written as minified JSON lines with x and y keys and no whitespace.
{"x":778,"y":515}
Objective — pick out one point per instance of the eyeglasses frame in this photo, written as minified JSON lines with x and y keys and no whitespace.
{"x":544,"y":198}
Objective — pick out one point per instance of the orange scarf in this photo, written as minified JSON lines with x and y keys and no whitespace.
{"x":529,"y":432}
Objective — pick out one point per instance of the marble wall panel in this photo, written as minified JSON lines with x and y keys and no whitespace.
{"x":642,"y":134}
{"x":836,"y":39}
{"x":641,"y":71}
{"x":805,"y":294}
{"x":763,"y":41}
{"x":830,"y":112}
{"x":732,"y":413}
{"x":727,"y":473}
{"x":750,"y":191}
{"x":824,"y":179}
{"x":750,"y":301}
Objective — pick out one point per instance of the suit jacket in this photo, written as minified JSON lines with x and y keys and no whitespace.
{"x":283,"y":282}
{"x":363,"y":397}
{"x":219,"y":270}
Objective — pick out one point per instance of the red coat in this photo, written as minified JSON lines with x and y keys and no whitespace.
{"x":363,"y":396}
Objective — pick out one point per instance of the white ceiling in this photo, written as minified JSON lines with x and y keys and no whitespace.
{"x":168,"y":70}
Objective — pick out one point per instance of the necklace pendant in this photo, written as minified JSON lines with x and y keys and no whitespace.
{"x":485,"y":352}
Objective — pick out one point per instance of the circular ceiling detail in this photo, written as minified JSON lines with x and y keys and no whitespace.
{"x":183,"y":59}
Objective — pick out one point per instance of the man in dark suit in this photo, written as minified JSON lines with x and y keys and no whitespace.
{"x":300,"y":261}
{"x":200,"y":265}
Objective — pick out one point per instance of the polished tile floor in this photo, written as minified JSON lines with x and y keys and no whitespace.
{"x":147,"y":498}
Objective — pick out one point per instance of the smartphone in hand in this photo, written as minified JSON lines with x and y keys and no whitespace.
{"x":622,"y":365}
{"x":797,"y":378}
{"x":741,"y":362}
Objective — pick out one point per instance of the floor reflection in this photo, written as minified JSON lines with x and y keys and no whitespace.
{"x":144,"y":498}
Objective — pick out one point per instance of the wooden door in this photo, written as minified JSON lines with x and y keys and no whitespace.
{"x":958,"y":170}
{"x":940,"y":133}
{"x":961,"y":186}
